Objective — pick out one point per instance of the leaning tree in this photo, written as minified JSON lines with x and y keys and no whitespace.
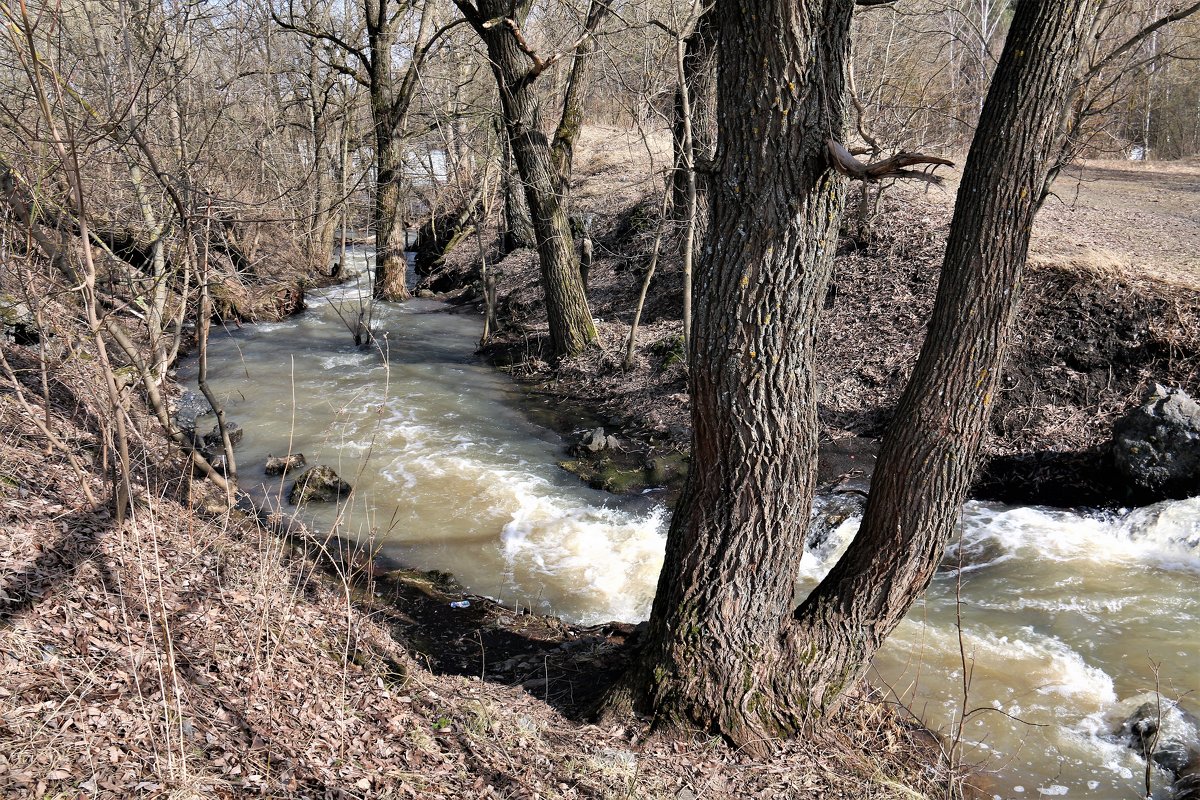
{"x":543,"y":163}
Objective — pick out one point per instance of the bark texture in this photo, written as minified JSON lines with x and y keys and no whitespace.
{"x":391,"y":96}
{"x":516,"y":67}
{"x":717,"y":653}
{"x":326,"y":199}
{"x":930,"y":450}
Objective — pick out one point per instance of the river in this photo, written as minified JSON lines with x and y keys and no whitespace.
{"x":1069,"y":621}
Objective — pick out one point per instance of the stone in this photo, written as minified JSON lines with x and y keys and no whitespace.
{"x":17,"y":322}
{"x":218,"y":462}
{"x":282,"y":465}
{"x":1168,"y":735}
{"x":320,"y":485}
{"x":1156,"y":446}
{"x":829,"y":512}
{"x":212,"y":439}
{"x":595,"y":441}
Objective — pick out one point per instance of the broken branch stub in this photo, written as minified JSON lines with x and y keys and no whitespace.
{"x":895,"y":166}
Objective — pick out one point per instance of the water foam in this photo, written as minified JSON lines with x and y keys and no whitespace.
{"x":609,"y":558}
{"x":1166,"y":535}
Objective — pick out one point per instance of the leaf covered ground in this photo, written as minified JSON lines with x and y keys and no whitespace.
{"x":189,"y":652}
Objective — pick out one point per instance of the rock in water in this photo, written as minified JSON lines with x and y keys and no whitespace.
{"x":1167,"y":734}
{"x":212,"y":439}
{"x":1156,"y":446}
{"x":829,"y":512}
{"x":321,"y":485}
{"x":282,"y":465}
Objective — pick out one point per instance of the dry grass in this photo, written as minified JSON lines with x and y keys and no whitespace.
{"x":1141,"y":219}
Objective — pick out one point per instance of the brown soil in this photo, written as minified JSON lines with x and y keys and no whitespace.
{"x":1111,"y":305}
{"x":1139,"y":219}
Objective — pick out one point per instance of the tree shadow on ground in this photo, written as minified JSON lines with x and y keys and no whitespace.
{"x":56,"y":564}
{"x":1165,"y":175}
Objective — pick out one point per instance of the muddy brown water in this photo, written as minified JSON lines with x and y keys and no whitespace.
{"x":1070,"y":621}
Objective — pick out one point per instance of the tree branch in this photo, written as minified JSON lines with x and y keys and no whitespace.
{"x":540,"y":64}
{"x":893,"y":167}
{"x":562,"y":149}
{"x":324,"y":36}
{"x":1138,"y":38}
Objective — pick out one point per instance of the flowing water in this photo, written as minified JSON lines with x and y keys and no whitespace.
{"x":1069,"y":621}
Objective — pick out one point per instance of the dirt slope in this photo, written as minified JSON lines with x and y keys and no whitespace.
{"x":189,"y":653}
{"x":1112,"y":304}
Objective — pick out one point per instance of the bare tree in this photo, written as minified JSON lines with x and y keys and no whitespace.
{"x":727,"y":649}
{"x":714,"y":654}
{"x":391,"y":95}
{"x":543,"y":165}
{"x":930,"y":449}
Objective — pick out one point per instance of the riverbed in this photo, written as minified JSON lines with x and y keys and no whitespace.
{"x":1069,"y":621}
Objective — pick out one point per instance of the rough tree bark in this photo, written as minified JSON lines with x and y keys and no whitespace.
{"x":717,"y":656}
{"x":930,"y":450}
{"x":516,"y":66}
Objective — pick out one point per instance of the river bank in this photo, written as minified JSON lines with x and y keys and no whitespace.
{"x":190,"y":651}
{"x":1100,"y":326}
{"x":450,"y":473}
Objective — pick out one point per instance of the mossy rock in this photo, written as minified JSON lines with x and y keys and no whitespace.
{"x":605,"y":475}
{"x":282,"y":465}
{"x":665,"y":469}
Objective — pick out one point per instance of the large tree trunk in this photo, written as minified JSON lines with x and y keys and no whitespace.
{"x":930,"y":451}
{"x":718,"y":655}
{"x":571,"y":327}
